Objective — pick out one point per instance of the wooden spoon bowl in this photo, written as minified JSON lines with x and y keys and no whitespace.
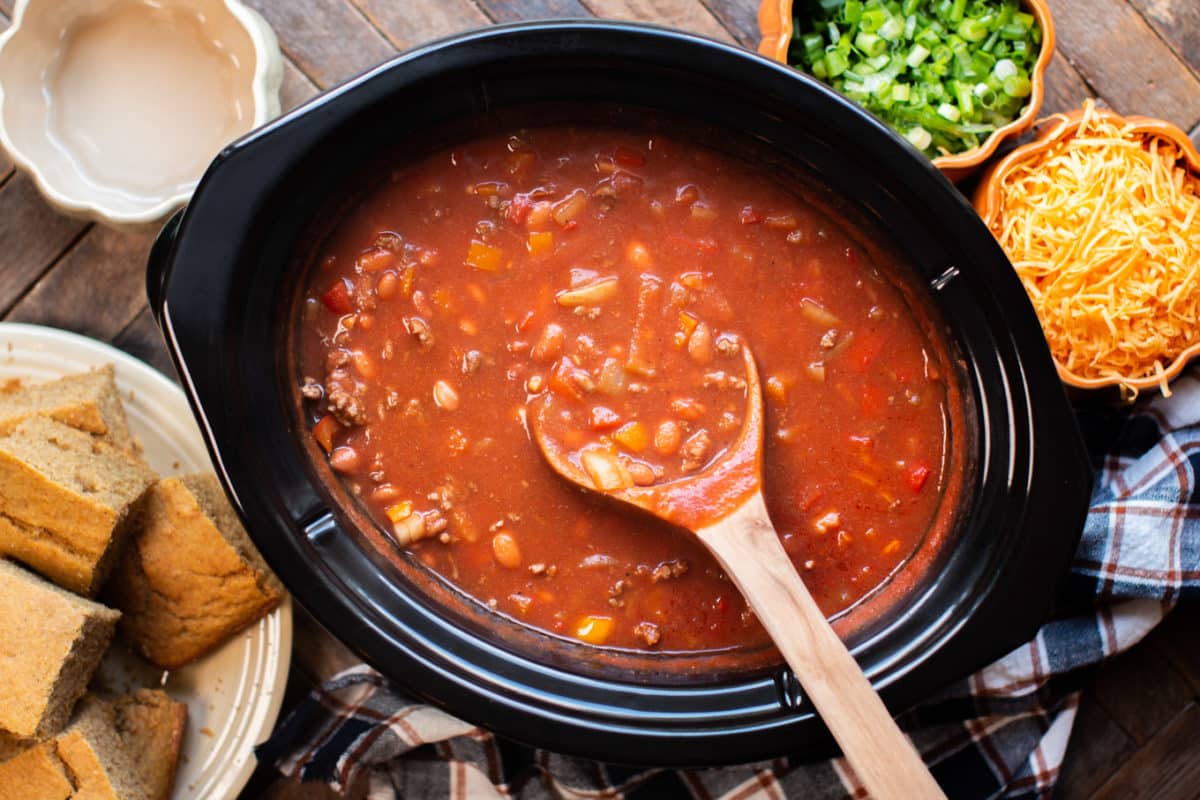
{"x":723,"y":506}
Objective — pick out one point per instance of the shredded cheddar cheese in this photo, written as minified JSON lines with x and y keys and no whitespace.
{"x":1103,"y":228}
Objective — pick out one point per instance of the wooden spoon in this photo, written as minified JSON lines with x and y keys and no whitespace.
{"x":723,"y":505}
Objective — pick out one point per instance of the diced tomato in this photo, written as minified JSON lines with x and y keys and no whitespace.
{"x":628,"y":157}
{"x":561,"y":383}
{"x":604,"y":419}
{"x":337,"y":297}
{"x":863,"y":351}
{"x":519,"y":208}
{"x":916,"y":476}
{"x":749,"y":216}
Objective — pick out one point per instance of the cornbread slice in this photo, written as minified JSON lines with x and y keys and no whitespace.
{"x":150,"y":725}
{"x":192,"y":578}
{"x":88,"y":401}
{"x":57,"y":557}
{"x":50,"y":644}
{"x":67,"y":499}
{"x":126,"y":747}
{"x":96,"y":761}
{"x":35,"y":774}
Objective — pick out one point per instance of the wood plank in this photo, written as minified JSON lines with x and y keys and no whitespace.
{"x":6,"y":165}
{"x":418,"y":21}
{"x":1098,"y":747}
{"x":296,"y":87}
{"x":1176,"y":637}
{"x":286,"y":789}
{"x":1065,"y":87}
{"x":1167,"y":767}
{"x":142,"y":339}
{"x":326,"y":657}
{"x":509,"y":11}
{"x":740,"y":18}
{"x":329,"y":40}
{"x":1178,"y":22}
{"x":1141,"y":706}
{"x":688,"y":15}
{"x":1117,"y":51}
{"x":73,"y":296}
{"x":33,"y":235}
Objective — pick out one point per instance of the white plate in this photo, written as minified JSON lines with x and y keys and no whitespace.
{"x":234,"y":693}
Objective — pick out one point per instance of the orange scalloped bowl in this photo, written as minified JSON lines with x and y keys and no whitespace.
{"x":987,"y":201}
{"x":775,"y":26}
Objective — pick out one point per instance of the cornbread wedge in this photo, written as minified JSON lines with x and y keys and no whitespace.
{"x":50,"y":644}
{"x":66,"y":500}
{"x":88,"y":401}
{"x":126,"y":747}
{"x":95,"y":757}
{"x":150,"y":725}
{"x":35,"y":774}
{"x":79,"y":568}
{"x":191,"y":578}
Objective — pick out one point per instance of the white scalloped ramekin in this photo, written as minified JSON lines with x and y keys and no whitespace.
{"x":28,"y":48}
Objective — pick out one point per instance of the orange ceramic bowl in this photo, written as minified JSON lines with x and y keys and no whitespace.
{"x":775,"y":25}
{"x":987,"y":201}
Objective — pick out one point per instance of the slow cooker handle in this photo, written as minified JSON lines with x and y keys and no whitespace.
{"x":158,"y":267}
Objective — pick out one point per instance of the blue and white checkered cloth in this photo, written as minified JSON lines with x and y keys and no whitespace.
{"x":1001,"y":733}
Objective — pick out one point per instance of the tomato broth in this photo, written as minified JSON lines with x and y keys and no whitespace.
{"x":619,"y":276}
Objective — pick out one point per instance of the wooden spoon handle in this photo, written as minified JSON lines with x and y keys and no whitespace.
{"x":747,"y":547}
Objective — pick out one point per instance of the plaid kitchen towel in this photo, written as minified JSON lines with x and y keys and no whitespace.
{"x":999,"y":733}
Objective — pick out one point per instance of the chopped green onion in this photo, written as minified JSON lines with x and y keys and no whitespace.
{"x":943,"y":73}
{"x":916,"y":56}
{"x":919,"y":137}
{"x":949,"y":112}
{"x":1017,"y":86}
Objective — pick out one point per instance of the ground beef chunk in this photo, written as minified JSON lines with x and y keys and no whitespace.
{"x":727,"y":345}
{"x":616,"y":590}
{"x":472,"y":360}
{"x":695,"y":451}
{"x":312,"y":389}
{"x":648,"y":632}
{"x":344,"y":397}
{"x":420,"y":330}
{"x":669,"y":569}
{"x":721,"y":379}
{"x":343,"y":394}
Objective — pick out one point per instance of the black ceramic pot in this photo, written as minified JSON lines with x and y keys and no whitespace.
{"x":225,"y":273}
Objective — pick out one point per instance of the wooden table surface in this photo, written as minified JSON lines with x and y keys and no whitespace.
{"x":1138,"y":733}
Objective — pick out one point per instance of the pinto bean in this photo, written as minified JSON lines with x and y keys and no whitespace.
{"x":345,"y":459}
